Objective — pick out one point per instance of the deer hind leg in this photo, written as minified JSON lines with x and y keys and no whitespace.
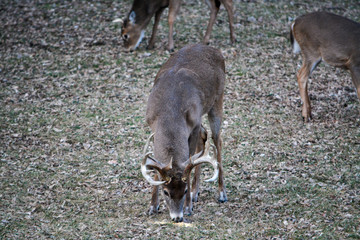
{"x":228,"y":4}
{"x":302,"y":78}
{"x":155,"y":27}
{"x":154,"y":205}
{"x":174,"y":7}
{"x":215,"y":119}
{"x":214,"y":9}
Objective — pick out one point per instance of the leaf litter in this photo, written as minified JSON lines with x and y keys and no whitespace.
{"x":72,"y":127}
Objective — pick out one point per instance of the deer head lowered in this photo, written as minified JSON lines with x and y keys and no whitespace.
{"x":142,"y":11}
{"x":329,"y":37}
{"x":189,"y":85}
{"x":165,"y":170}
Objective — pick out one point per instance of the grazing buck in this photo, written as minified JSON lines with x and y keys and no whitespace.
{"x":142,"y":11}
{"x":189,"y":85}
{"x":329,"y":37}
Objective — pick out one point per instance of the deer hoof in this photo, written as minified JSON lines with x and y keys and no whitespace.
{"x":188,"y":211}
{"x":206,"y":41}
{"x":195,"y":196}
{"x":307,"y":119}
{"x":306,"y":114}
{"x":154,"y":210}
{"x":222,"y":197}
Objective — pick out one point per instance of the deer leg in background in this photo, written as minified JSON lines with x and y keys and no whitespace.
{"x":174,"y":7}
{"x":215,"y":119}
{"x":214,"y":6}
{"x":355,"y":74}
{"x":302,"y":77}
{"x":228,"y":4}
{"x":155,"y":27}
{"x":154,"y":205}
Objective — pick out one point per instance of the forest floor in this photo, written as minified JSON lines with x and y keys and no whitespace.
{"x":72,"y":129}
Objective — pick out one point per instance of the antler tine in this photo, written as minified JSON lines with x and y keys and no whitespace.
{"x":204,"y":152}
{"x":147,"y":143}
{"x":196,"y":156}
{"x":207,"y":147}
{"x":203,"y":157}
{"x":153,"y":159}
{"x":156,"y":165}
{"x":118,"y":20}
{"x":169,"y":166}
{"x":145,"y":172}
{"x":215,"y":164}
{"x":208,"y":159}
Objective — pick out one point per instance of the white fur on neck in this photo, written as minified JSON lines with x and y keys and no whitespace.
{"x":140,"y":39}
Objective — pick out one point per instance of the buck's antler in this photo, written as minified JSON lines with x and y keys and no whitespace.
{"x":205,"y":158}
{"x":150,"y":162}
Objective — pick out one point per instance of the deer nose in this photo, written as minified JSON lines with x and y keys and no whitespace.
{"x":177,"y":219}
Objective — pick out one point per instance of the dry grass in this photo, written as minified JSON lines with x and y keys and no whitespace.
{"x":72,"y":127}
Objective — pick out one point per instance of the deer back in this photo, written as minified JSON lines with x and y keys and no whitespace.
{"x":185,"y":88}
{"x":335,"y":38}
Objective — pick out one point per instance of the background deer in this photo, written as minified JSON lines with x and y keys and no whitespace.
{"x":329,"y":37}
{"x":141,"y":13}
{"x":189,"y":85}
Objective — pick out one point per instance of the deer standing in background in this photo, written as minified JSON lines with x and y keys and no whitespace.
{"x":329,"y":37}
{"x":142,"y":11}
{"x":189,"y":85}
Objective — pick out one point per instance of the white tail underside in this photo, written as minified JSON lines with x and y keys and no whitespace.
{"x":296,"y":46}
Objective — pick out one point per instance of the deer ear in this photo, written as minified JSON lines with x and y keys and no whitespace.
{"x":132,"y":17}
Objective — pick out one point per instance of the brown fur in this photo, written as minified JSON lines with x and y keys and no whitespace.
{"x":189,"y":85}
{"x":145,"y":10}
{"x":328,"y":37}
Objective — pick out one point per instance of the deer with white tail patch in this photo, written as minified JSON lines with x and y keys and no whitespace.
{"x":329,"y":37}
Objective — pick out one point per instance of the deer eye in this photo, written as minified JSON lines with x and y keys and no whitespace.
{"x":185,"y":192}
{"x":166,"y":193}
{"x":125,"y":37}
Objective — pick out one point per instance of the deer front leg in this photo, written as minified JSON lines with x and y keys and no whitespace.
{"x":154,"y":205}
{"x":196,"y":179}
{"x":188,"y":203}
{"x":355,"y":75}
{"x":302,"y":78}
{"x":174,"y":7}
{"x":194,"y":143}
{"x":155,"y":27}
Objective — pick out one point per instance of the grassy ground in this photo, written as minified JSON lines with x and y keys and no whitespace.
{"x":72,"y":127}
